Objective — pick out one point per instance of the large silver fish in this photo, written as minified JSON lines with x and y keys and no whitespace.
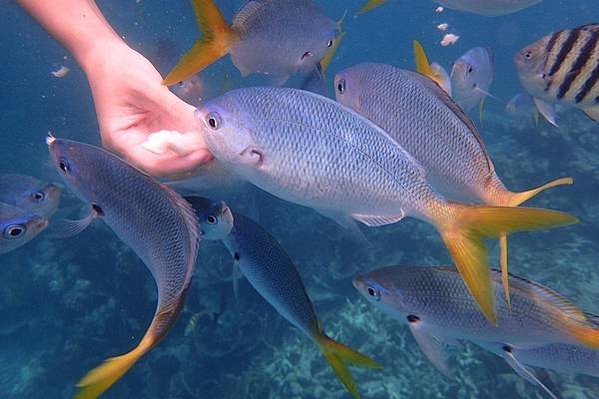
{"x":266,"y":265}
{"x":278,"y":38}
{"x":434,"y":303}
{"x":489,"y":8}
{"x":563,"y":67}
{"x":18,"y":227}
{"x":471,"y":78}
{"x":158,"y":225}
{"x":29,"y":194}
{"x":425,"y":121}
{"x":315,"y":152}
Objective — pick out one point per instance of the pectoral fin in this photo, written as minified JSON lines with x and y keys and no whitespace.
{"x":522,"y":371}
{"x":433,"y":348}
{"x":69,"y":228}
{"x":236,"y":276}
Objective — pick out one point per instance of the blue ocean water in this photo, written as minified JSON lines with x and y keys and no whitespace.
{"x":67,"y":304}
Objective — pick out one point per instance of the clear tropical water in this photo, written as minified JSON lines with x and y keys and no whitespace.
{"x":66,"y":304}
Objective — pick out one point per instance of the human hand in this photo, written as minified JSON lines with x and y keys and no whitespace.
{"x":131,"y":104}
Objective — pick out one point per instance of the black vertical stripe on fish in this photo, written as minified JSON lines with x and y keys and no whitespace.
{"x":550,"y":46}
{"x":564,"y":51}
{"x":583,"y":58}
{"x":588,"y":85}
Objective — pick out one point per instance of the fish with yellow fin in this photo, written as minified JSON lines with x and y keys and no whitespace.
{"x":354,"y":171}
{"x":382,"y":93}
{"x":278,"y":38}
{"x":272,"y":273}
{"x":540,"y":325}
{"x":158,"y":225}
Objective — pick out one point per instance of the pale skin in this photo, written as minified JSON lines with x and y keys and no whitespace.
{"x":131,"y":102}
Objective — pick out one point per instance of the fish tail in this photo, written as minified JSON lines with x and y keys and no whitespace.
{"x":98,"y":380}
{"x":467,"y":227}
{"x":339,"y":357}
{"x":370,"y":5}
{"x":215,"y":43}
{"x":519,"y":198}
{"x":515,"y":200}
{"x":423,"y":65}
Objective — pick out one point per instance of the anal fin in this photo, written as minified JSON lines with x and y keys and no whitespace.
{"x":376,"y":220}
{"x":522,"y":371}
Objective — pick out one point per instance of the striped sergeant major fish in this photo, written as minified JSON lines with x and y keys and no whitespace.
{"x":563,"y":67}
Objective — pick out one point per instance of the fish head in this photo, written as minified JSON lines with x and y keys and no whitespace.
{"x":317,"y":46}
{"x":228,"y":131}
{"x":17,"y":227}
{"x":464,"y":74}
{"x":380,"y":289}
{"x":530,"y":63}
{"x":78,"y":165}
{"x":44,"y":200}
{"x":215,"y":217}
{"x":349,"y":87}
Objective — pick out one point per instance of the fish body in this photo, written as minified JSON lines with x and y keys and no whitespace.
{"x":158,"y":225}
{"x":566,"y":358}
{"x":266,"y":265}
{"x":471,"y":77}
{"x":18,"y":227}
{"x":439,"y":300}
{"x":315,"y":152}
{"x":488,"y":8}
{"x":278,"y":38}
{"x":563,"y":67}
{"x":29,"y":194}
{"x":425,"y":121}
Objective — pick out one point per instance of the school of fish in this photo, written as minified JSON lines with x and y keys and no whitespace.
{"x":392,"y":143}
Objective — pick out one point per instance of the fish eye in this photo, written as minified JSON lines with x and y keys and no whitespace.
{"x":211,"y":219}
{"x":63,"y":164}
{"x":528,"y":55}
{"x":214,"y":121}
{"x":14,"y":231}
{"x":330,"y":43}
{"x":374,"y":293}
{"x":341,"y":86}
{"x":39,"y":196}
{"x":470,"y":69}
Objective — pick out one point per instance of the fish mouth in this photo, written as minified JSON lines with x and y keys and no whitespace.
{"x":358,"y":281}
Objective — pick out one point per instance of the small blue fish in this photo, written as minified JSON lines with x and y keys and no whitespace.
{"x":17,"y":228}
{"x":272,"y":273}
{"x":29,"y":194}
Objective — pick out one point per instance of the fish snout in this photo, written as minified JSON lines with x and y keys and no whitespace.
{"x":38,"y":223}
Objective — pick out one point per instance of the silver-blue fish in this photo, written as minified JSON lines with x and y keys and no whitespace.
{"x":158,"y":225}
{"x":471,"y":78}
{"x":29,"y":194}
{"x":272,"y":273}
{"x":313,"y":151}
{"x":434,"y":303}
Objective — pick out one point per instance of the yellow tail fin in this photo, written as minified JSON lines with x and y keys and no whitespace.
{"x":423,"y":66}
{"x":464,"y":237}
{"x":97,"y":381}
{"x":515,"y":200}
{"x":370,"y":4}
{"x":217,"y":40}
{"x":339,"y":357}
